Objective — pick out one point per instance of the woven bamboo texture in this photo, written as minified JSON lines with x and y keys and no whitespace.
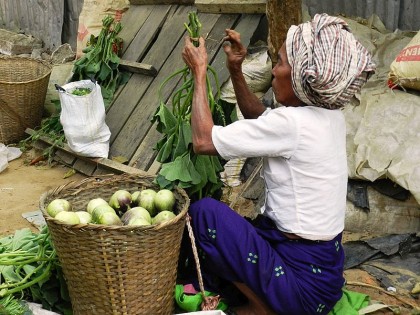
{"x":23,"y":88}
{"x":117,"y":269}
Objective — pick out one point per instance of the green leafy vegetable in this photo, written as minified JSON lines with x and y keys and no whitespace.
{"x":101,"y":59}
{"x":81,"y":91}
{"x":10,"y":305}
{"x":30,"y":270}
{"x":199,"y":175}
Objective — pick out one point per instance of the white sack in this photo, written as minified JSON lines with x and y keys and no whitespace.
{"x":257,"y":72}
{"x":8,"y":154}
{"x":83,"y":120}
{"x":3,"y":157}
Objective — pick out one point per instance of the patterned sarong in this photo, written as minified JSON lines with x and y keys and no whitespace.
{"x":292,"y":276}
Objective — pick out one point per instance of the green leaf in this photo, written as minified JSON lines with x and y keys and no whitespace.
{"x":216,"y":164}
{"x":114,"y":59}
{"x":92,"y":68}
{"x":176,"y":170}
{"x":186,"y":130}
{"x":215,"y":169}
{"x":9,"y":274}
{"x":159,"y":145}
{"x":36,"y":294}
{"x":162,"y":182}
{"x":215,"y":190}
{"x":201,"y":164}
{"x":123,"y":77}
{"x":21,"y":237}
{"x":226,"y":113}
{"x":167,"y":149}
{"x":182,"y":144}
{"x":29,"y":269}
{"x":184,"y":185}
{"x":166,"y":119}
{"x":50,"y":293}
{"x":104,"y":71}
{"x":64,"y":291}
{"x":195,"y":176}
{"x":181,"y":169}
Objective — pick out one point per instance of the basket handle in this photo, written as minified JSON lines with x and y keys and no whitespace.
{"x":209,"y":302}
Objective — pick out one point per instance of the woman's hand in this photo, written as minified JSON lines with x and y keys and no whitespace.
{"x":195,"y":57}
{"x":235,"y":51}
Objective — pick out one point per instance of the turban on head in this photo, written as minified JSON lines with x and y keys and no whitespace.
{"x":328,"y":64}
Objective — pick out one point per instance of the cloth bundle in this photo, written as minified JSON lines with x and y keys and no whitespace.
{"x":329,"y":66}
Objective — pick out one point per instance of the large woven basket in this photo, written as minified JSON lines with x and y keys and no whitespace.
{"x":117,"y":269}
{"x":23,"y":88}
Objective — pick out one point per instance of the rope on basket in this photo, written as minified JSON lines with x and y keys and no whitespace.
{"x":209,"y":302}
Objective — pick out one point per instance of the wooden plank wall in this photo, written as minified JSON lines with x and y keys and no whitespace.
{"x":154,"y":35}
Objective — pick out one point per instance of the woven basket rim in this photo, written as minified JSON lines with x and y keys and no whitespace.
{"x":43,"y":62}
{"x":103,"y":227}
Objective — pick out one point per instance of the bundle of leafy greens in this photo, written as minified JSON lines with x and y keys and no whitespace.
{"x":101,"y":59}
{"x":199,"y":175}
{"x":30,"y":271}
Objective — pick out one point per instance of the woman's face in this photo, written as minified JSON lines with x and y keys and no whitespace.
{"x":282,"y":80}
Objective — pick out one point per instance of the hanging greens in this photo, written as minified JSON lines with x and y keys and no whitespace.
{"x":101,"y":59}
{"x":199,"y":175}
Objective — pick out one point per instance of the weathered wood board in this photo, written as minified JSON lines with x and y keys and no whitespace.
{"x":141,"y":2}
{"x":229,"y":6}
{"x":137,"y":67}
{"x":87,"y":166}
{"x":215,"y":6}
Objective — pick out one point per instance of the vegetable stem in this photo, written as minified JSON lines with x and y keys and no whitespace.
{"x":200,"y":177}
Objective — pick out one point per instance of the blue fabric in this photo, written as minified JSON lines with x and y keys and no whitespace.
{"x":292,"y":276}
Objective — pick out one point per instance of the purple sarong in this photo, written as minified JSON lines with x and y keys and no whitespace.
{"x":294,"y":277}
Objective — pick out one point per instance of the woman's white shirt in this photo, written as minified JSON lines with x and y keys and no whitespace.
{"x":304,"y":166}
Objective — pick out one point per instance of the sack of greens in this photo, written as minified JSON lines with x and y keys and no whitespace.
{"x":83,"y":118}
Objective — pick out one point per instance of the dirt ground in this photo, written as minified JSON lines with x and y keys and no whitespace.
{"x":22,"y":184}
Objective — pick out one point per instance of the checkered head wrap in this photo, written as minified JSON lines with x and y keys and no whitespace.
{"x":328,"y":64}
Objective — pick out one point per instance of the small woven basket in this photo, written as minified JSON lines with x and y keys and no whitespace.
{"x":117,"y":269}
{"x":23,"y":88}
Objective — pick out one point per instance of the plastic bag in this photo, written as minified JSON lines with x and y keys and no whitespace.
{"x":83,"y":119}
{"x":3,"y":157}
{"x":8,"y":154}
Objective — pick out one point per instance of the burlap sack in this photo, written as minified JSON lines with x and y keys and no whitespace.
{"x":90,"y":19}
{"x":405,"y":69}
